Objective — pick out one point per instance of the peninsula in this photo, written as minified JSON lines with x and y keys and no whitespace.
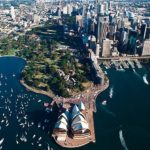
{"x":59,"y":65}
{"x":69,"y":75}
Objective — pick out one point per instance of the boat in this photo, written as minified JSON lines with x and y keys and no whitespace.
{"x":105,"y":72}
{"x":17,"y":142}
{"x":7,"y":124}
{"x":39,"y":101}
{"x":104,"y":102}
{"x":12,"y":90}
{"x":1,"y":141}
{"x":34,"y":136}
{"x":40,"y":138}
{"x":145,"y":79}
{"x":23,"y":138}
{"x":39,"y":125}
{"x":48,"y":147}
{"x":1,"y":75}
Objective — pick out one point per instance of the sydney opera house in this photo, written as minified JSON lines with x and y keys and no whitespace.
{"x":72,"y":124}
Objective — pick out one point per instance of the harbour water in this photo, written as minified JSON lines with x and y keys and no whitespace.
{"x":123,"y":123}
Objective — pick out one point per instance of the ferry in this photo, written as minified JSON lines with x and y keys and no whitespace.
{"x":1,"y":75}
{"x":1,"y":141}
{"x":104,"y":102}
{"x":13,"y":75}
{"x":145,"y":79}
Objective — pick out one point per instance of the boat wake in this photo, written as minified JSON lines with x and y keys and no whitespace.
{"x":136,"y":74}
{"x":123,"y":143}
{"x":145,"y":79}
{"x":111,"y":92}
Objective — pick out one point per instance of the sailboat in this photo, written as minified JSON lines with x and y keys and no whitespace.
{"x":1,"y":141}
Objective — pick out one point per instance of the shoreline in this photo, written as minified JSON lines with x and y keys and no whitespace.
{"x":9,"y":56}
{"x":89,"y":100}
{"x":88,"y":96}
{"x":32,"y":89}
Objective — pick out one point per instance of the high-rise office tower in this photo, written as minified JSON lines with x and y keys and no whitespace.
{"x":132,"y":42}
{"x":146,"y":48}
{"x":79,"y":20}
{"x":122,"y":37}
{"x":106,"y":48}
{"x":102,"y":29}
{"x":143,"y":30}
{"x":112,"y":30}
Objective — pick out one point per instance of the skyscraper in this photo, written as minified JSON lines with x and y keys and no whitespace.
{"x":122,"y":37}
{"x":102,"y":28}
{"x":146,"y":48}
{"x":132,"y":42}
{"x":106,"y":48}
{"x":143,"y":30}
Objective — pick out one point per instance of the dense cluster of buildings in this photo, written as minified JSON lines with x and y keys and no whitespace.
{"x":110,"y":28}
{"x":115,"y":29}
{"x":19,"y":18}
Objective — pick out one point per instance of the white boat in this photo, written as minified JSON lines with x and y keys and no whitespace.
{"x":145,"y":79}
{"x":1,"y":141}
{"x":104,"y":102}
{"x":105,"y":72}
{"x":40,"y":138}
{"x":39,"y":125}
{"x":2,"y":121}
{"x":12,"y":90}
{"x":39,"y":100}
{"x":17,"y":142}
{"x":34,"y":136}
{"x":1,"y":75}
{"x":48,"y":147}
{"x":23,"y":138}
{"x":7,"y":124}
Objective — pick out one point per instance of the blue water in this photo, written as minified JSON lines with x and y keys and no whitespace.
{"x":25,"y":115}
